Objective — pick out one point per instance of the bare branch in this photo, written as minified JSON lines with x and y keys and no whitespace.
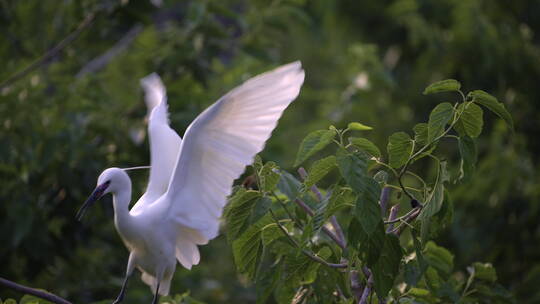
{"x":367,"y":290}
{"x":85,"y":23}
{"x":35,"y":292}
{"x":99,"y":62}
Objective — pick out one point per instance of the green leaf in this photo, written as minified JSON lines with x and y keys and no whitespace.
{"x":365,"y":145}
{"x":301,"y":269}
{"x":238,"y":210}
{"x":485,"y":272}
{"x":356,"y":126}
{"x":471,"y":120}
{"x":493,"y":105}
{"x":320,"y":169}
{"x":387,"y":267}
{"x":289,"y":185}
{"x":368,"y":211}
{"x":467,"y":150}
{"x":353,"y":168}
{"x":314,"y":142}
{"x":421,"y":134}
{"x":248,"y":248}
{"x":435,"y":202}
{"x":381,"y":177}
{"x":339,"y":199}
{"x":400,"y":147}
{"x":447,"y":85}
{"x":369,"y":246}
{"x":269,"y":177}
{"x":439,"y":258}
{"x":438,"y":118}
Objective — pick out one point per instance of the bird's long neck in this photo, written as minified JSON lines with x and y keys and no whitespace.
{"x":121,"y":200}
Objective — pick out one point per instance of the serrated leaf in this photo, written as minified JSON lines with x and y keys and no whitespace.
{"x":269,"y":177}
{"x":467,"y":150}
{"x":339,"y":199}
{"x":434,"y":204}
{"x":438,"y":118}
{"x":471,"y":120}
{"x":248,"y":248}
{"x":399,"y":148}
{"x":289,"y":185}
{"x":381,"y":177}
{"x":301,"y":269}
{"x":368,"y":211}
{"x":356,"y":126}
{"x":447,"y":85}
{"x":238,"y":210}
{"x":369,"y":246}
{"x":421,"y":134}
{"x":314,"y":142}
{"x":492,"y":104}
{"x":353,"y":168}
{"x":365,"y":145}
{"x":387,"y":267}
{"x":320,"y":169}
{"x":485,"y":272}
{"x":439,"y":258}
{"x":270,"y":233}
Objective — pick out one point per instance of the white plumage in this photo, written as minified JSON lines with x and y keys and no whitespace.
{"x":190,"y":179}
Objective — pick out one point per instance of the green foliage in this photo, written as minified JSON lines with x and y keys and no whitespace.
{"x":60,"y":128}
{"x":313,"y":143}
{"x":447,"y":85}
{"x":300,"y":233}
{"x":400,"y":148}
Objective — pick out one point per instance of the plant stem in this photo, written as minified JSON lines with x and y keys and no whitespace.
{"x":35,"y":292}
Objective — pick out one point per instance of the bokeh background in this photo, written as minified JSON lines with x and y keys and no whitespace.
{"x":81,"y":110}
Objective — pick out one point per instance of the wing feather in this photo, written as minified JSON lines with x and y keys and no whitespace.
{"x":164,"y":142}
{"x":222,"y":140}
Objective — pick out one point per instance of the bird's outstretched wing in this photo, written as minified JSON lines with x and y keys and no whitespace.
{"x":164,"y":142}
{"x":221,"y":141}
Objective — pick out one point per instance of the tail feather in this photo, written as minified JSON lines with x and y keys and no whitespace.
{"x":150,"y":280}
{"x":187,"y":252}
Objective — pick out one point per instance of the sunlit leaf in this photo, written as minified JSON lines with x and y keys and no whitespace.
{"x":438,"y":118}
{"x":492,"y":104}
{"x":365,"y":145}
{"x":399,"y":148}
{"x":320,"y":169}
{"x":356,"y":126}
{"x":314,"y":142}
{"x":443,"y":86}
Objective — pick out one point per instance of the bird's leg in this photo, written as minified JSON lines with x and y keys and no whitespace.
{"x":122,"y":291}
{"x":156,"y":296}
{"x":129,"y":271}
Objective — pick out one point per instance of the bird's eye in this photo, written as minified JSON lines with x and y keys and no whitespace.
{"x":107,"y":182}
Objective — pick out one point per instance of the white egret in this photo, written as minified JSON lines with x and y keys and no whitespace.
{"x":190,"y":180}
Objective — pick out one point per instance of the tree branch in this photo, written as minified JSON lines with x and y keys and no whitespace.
{"x":85,"y":23}
{"x":35,"y":292}
{"x":101,"y":61}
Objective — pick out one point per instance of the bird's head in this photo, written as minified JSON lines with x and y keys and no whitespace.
{"x":110,"y":180}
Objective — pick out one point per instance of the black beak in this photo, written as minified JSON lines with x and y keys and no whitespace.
{"x":96,"y":194}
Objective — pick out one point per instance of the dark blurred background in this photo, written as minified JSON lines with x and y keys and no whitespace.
{"x":81,"y":110}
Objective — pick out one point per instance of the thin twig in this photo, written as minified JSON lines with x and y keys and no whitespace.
{"x":333,"y":220}
{"x":407,"y":221}
{"x":35,"y":292}
{"x":393,"y":214}
{"x":367,"y":290}
{"x":85,"y":23}
{"x":385,"y":196}
{"x":325,"y":229}
{"x":404,"y":217}
{"x":99,"y":62}
{"x":304,"y":251}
